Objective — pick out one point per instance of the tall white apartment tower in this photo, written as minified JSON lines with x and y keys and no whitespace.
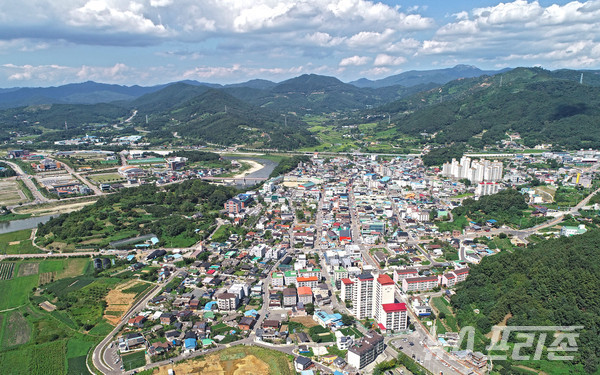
{"x":362,"y":293}
{"x":384,"y":294}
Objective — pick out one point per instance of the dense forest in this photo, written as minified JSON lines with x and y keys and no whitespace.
{"x":164,"y":211}
{"x":555,"y":282}
{"x":506,"y":207}
{"x":214,"y":116}
{"x":288,"y":164}
{"x":534,"y":102}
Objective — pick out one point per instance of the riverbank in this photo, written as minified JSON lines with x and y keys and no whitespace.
{"x":255,"y":167}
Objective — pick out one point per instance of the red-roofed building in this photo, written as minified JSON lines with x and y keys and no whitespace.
{"x":400,"y":275}
{"x":418,"y":284}
{"x":310,"y":281}
{"x":461,"y":274}
{"x":383,"y":294}
{"x":347,"y":287}
{"x":448,"y":279}
{"x":138,"y":321}
{"x":394,"y":316}
{"x":305,"y":294}
{"x":385,"y":280}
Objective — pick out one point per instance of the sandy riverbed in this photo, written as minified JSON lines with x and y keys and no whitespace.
{"x":255,"y":168}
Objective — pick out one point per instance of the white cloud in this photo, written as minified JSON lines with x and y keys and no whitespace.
{"x":355,"y":61}
{"x":387,"y":60}
{"x":523,"y":32}
{"x":128,"y":18}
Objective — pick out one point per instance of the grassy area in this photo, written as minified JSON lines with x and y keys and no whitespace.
{"x":25,"y":190}
{"x":15,"y":292}
{"x":457,"y":224}
{"x":443,"y":306}
{"x":133,"y":360}
{"x":17,"y":243}
{"x":106,"y":177}
{"x":503,"y":244}
{"x":349,"y":331}
{"x":11,"y":217}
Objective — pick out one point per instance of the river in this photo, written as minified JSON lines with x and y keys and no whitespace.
{"x":264,"y":172}
{"x":29,"y":223}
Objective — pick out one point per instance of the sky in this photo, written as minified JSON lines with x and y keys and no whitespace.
{"x":148,"y":42}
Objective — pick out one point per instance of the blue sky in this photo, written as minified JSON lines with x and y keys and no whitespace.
{"x":146,"y":42}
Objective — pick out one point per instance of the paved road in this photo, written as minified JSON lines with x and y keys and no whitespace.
{"x":105,"y":365}
{"x":82,"y":178}
{"x":26,"y":178}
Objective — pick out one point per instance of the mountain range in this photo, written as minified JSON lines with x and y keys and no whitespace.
{"x":559,"y":107}
{"x":261,"y":92}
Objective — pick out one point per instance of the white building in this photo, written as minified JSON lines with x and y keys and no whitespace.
{"x":393,"y":317}
{"x":384,"y":294}
{"x":419,"y":284}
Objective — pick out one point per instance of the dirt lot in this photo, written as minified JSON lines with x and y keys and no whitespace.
{"x":52,"y":209}
{"x":306,"y":320}
{"x":119,"y":302}
{"x":248,"y":365}
{"x":26,"y":269}
{"x":10,"y":194}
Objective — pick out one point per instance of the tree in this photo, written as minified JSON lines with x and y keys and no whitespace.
{"x":310,"y":308}
{"x":347,"y":320}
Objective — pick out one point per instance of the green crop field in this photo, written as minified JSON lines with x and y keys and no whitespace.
{"x":15,"y":291}
{"x":134,"y":360}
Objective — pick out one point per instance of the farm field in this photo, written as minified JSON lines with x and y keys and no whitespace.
{"x":121,"y":298}
{"x":6,"y":270}
{"x":10,"y":193}
{"x":238,"y":360}
{"x":18,"y":242}
{"x":35,"y":341}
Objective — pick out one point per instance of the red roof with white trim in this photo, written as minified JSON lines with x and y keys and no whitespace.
{"x":393,"y":307}
{"x":347,"y":281}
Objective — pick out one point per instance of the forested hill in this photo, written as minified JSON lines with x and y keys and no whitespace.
{"x":553,"y":283}
{"x":216,"y":117}
{"x":543,"y":106}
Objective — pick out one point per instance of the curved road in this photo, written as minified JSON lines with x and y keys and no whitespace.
{"x":98,"y":354}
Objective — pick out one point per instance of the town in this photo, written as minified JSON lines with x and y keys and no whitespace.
{"x":343,"y":263}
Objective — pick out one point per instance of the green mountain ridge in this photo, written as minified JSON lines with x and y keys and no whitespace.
{"x":217,"y":117}
{"x":552,"y":283}
{"x":540,"y":105}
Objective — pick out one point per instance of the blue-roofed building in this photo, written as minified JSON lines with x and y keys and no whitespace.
{"x":252,"y":313}
{"x":130,"y":257}
{"x":209,"y":305}
{"x":385,"y":180}
{"x":328,"y":320}
{"x":154,"y":240}
{"x":190,"y":344}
